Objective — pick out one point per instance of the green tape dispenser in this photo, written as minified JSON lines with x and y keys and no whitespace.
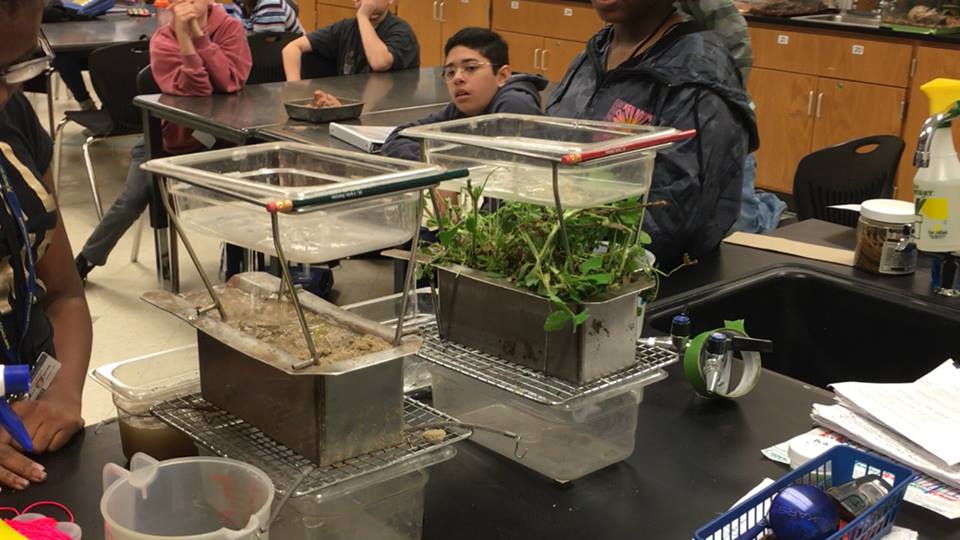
{"x":708,"y":361}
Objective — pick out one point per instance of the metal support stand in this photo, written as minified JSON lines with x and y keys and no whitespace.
{"x":411,"y":270}
{"x":556,"y":199}
{"x":294,"y":297}
{"x":175,"y":221}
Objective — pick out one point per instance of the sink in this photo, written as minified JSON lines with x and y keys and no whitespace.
{"x":844,"y":19}
{"x":825,"y":328}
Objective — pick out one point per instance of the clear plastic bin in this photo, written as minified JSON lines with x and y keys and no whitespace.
{"x":921,"y":16}
{"x":140,"y":383}
{"x":513,"y":156}
{"x":223,"y":193}
{"x":387,"y":505}
{"x":563,"y":442}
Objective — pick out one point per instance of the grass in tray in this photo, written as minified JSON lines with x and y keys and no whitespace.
{"x":523,"y":244}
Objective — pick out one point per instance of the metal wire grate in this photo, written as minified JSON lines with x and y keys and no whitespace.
{"x":530,"y":383}
{"x":228,"y":436}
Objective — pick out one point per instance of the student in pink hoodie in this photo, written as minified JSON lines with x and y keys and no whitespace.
{"x":203,"y":51}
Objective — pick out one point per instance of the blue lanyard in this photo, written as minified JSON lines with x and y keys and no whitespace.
{"x":13,"y":205}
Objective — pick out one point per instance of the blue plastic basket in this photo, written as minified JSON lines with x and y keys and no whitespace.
{"x":836,"y":466}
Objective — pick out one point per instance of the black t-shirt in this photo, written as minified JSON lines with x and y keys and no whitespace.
{"x":25,"y":154}
{"x":340,"y":43}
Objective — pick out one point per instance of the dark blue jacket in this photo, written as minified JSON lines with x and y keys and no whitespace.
{"x":687,"y":80}
{"x":520,"y":95}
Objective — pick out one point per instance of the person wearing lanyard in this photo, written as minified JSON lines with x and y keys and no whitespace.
{"x":42,"y":305}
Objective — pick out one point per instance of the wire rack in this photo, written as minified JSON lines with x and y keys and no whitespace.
{"x":229,"y":436}
{"x":530,"y":383}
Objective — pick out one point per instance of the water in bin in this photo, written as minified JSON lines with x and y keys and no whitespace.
{"x":198,"y":498}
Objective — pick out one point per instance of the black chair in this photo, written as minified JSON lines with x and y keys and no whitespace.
{"x":113,"y":71}
{"x":314,"y":67}
{"x":848,"y":173}
{"x":266,"y":49}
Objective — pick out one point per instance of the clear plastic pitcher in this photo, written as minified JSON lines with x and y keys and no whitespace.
{"x":199,"y":498}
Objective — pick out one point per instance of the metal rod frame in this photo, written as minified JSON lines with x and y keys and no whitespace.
{"x":563,"y":226}
{"x":294,"y":297}
{"x":408,"y":279}
{"x":175,"y":221}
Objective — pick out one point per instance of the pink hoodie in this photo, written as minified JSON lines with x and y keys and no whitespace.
{"x":221,"y":65}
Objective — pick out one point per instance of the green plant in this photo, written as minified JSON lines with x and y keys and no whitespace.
{"x":522,"y":243}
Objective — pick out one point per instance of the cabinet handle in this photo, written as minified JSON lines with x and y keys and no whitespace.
{"x":903,"y":108}
{"x":543,"y":59}
{"x":810,"y":103}
{"x":436,"y":16}
{"x":536,"y":58}
{"x":819,"y":103}
{"x":913,"y":66}
{"x":442,"y":5}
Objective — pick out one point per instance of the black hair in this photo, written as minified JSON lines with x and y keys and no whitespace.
{"x":483,"y":40}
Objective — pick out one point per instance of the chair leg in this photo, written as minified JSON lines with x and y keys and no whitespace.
{"x":58,"y":153}
{"x":135,"y":253}
{"x":92,"y":177}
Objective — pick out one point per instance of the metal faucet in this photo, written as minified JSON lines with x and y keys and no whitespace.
{"x":921,"y":158}
{"x":679,"y":338}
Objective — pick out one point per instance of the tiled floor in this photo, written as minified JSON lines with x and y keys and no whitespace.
{"x":123,"y":325}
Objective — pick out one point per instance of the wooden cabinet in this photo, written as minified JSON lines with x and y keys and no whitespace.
{"x":544,"y":37}
{"x":435,"y":22}
{"x":931,"y":62}
{"x":785,"y":117}
{"x":541,"y":56}
{"x":815,"y":89}
{"x":847,"y":110}
{"x":327,"y":12}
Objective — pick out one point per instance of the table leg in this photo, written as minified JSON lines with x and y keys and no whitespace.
{"x":165,"y":239}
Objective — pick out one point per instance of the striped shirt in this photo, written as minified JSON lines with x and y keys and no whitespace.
{"x":269,"y":16}
{"x":722,"y":17}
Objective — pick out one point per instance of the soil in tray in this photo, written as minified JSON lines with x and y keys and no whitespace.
{"x":275,"y":323}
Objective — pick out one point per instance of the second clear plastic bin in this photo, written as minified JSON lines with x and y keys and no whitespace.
{"x":513,"y":157}
{"x":562,"y":442}
{"x":213,"y":193}
{"x":140,"y":383}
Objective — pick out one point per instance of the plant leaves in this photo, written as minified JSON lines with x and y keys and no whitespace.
{"x":591,"y":264}
{"x":581,"y":318}
{"x":556,"y":321}
{"x":600,"y":279}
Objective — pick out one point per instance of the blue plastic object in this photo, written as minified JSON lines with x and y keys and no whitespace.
{"x":16,"y":380}
{"x":834,"y":467}
{"x":803,"y":512}
{"x":89,"y":8}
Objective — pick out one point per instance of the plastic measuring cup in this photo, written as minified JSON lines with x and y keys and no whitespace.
{"x":198,"y":498}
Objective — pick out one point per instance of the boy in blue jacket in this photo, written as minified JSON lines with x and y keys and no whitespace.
{"x":480,"y":81}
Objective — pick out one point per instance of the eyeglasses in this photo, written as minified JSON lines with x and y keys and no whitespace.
{"x":26,"y":70}
{"x":449,"y":72}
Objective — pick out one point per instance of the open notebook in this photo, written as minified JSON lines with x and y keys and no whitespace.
{"x":366,"y":138}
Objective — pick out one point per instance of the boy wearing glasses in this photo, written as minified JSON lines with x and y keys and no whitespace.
{"x":480,"y":81}
{"x":375,"y":40}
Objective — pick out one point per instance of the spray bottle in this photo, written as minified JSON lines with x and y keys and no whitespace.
{"x":936,"y":187}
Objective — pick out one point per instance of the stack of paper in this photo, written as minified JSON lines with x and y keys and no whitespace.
{"x":917,"y":423}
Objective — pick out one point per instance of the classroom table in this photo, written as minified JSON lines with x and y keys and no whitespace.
{"x":88,"y":36}
{"x":240,"y":118}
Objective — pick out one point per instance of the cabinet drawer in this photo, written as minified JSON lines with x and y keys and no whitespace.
{"x":514,"y":16}
{"x":328,"y":14}
{"x":558,"y":55}
{"x":566,"y":20}
{"x":785,"y":50}
{"x":341,"y":3}
{"x":865,"y":60}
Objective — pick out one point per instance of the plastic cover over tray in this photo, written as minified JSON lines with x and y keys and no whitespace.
{"x":224,"y":193}
{"x":514,"y":155}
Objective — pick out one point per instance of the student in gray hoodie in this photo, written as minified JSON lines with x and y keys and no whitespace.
{"x":480,"y":81}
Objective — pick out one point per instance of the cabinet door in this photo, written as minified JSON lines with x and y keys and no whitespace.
{"x":848,"y":110}
{"x":565,"y":20}
{"x":308,"y":15}
{"x":865,"y":60}
{"x":784,"y":104}
{"x":556,"y":57}
{"x":328,"y":14}
{"x":515,"y":16}
{"x":458,"y":14}
{"x":932,"y":62}
{"x":525,"y":51}
{"x":422,"y":16}
{"x":775,"y":48}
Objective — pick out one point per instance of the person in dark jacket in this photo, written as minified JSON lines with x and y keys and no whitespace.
{"x":649,"y":66}
{"x":480,"y":81}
